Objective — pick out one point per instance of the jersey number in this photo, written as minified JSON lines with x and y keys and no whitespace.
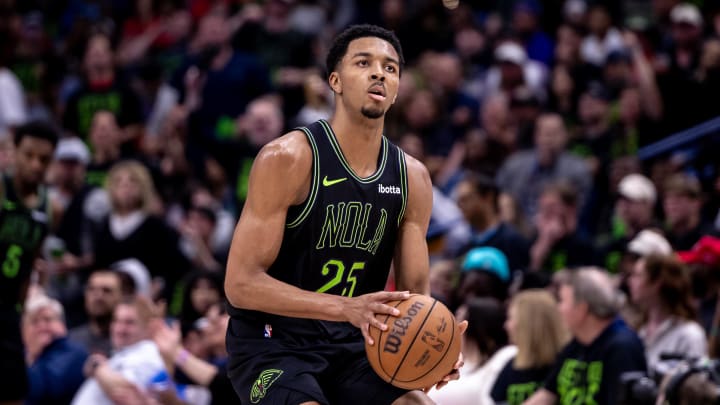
{"x":11,"y":265}
{"x":339,"y":267}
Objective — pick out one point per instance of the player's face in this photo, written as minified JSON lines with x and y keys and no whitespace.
{"x":368,"y":77}
{"x":32,"y":158}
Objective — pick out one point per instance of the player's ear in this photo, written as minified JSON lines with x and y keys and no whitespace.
{"x":335,"y":83}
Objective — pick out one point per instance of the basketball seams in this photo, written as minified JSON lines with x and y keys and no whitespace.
{"x":407,"y":351}
{"x":452,"y":338}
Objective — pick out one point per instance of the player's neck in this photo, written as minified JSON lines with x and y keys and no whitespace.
{"x":27,"y":192}
{"x":360,"y":140}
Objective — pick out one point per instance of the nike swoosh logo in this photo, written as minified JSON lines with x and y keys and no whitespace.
{"x":328,"y":183}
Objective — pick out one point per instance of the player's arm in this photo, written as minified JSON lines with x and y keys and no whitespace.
{"x":280,"y":178}
{"x":411,"y":262}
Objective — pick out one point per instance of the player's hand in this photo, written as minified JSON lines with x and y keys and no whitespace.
{"x":455,"y":373}
{"x":360,"y":311}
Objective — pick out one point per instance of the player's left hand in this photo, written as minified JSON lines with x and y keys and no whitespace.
{"x":455,"y":373}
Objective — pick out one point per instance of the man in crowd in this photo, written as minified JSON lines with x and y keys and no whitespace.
{"x":588,"y":369}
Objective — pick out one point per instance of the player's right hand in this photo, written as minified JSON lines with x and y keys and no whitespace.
{"x":360,"y":311}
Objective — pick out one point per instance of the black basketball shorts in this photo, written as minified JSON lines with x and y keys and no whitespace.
{"x":278,"y":370}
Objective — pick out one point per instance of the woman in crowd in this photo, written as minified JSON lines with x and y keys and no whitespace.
{"x":535,"y":327}
{"x":484,"y":350}
{"x":660,"y":286}
{"x":132,"y":230}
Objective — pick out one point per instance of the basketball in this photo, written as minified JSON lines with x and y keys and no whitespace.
{"x":420,"y":346}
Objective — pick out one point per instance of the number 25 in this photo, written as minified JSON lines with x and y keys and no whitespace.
{"x":349,"y":283}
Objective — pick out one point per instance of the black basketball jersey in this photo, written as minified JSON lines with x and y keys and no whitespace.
{"x":22,"y":231}
{"x":341,"y":240}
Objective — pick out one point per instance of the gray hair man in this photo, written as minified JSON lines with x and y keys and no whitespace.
{"x":588,"y":369}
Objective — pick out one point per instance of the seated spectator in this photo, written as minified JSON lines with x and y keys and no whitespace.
{"x":525,"y":173}
{"x":201,"y":291}
{"x":704,"y":262}
{"x":132,"y":231}
{"x":484,"y":273}
{"x":588,"y":369}
{"x":660,"y":285}
{"x":55,"y":364}
{"x":682,"y":205}
{"x":484,"y":351}
{"x":558,"y":243}
{"x":206,"y":369}
{"x":634,"y":207}
{"x":535,"y":327}
{"x":478,"y":198}
{"x":103,"y":292}
{"x":136,"y":359}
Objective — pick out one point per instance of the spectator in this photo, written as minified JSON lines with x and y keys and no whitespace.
{"x":512,"y":69}
{"x":101,"y":89}
{"x":135,"y":360}
{"x":525,"y":173}
{"x":216,"y":86}
{"x":484,"y":350}
{"x":201,"y":371}
{"x":602,"y":349}
{"x":55,"y":364}
{"x":682,"y":204}
{"x":660,"y":285}
{"x":201,"y":291}
{"x":603,"y":37}
{"x":633,"y":212}
{"x":484,"y":273}
{"x":478,"y":198}
{"x":539,"y":45}
{"x":105,"y":141}
{"x":559,"y":244}
{"x":535,"y":327}
{"x":103,"y":292}
{"x":133,"y":231}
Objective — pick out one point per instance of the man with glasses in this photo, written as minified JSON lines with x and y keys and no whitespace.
{"x":103,"y":292}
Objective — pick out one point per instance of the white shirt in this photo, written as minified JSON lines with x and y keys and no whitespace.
{"x":673,"y":336}
{"x":474,"y":387}
{"x":137,"y":363}
{"x":13,"y":109}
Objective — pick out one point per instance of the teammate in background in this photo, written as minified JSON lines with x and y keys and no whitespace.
{"x":24,"y":222}
{"x":329,"y":208}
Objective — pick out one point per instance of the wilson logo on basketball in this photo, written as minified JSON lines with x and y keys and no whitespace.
{"x":400,"y":326}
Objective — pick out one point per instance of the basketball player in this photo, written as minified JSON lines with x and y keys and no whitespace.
{"x":24,"y":222}
{"x":329,"y":208}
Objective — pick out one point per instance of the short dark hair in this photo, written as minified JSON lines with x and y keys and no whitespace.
{"x":484,"y":185}
{"x":339,"y":47}
{"x":36,"y":129}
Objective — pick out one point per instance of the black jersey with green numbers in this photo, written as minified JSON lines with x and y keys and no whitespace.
{"x":341,"y":240}
{"x":22,"y":231}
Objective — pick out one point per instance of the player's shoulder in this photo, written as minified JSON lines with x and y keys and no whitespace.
{"x":288,"y":151}
{"x":417,"y":172}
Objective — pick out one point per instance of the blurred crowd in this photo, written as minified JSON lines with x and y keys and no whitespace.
{"x":529,"y":115}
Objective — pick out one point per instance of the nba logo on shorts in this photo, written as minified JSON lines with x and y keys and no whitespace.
{"x":268,"y":330}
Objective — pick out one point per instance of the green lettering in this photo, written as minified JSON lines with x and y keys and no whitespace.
{"x":379,"y":232}
{"x":352,"y":213}
{"x":362,"y":227}
{"x":332,"y":226}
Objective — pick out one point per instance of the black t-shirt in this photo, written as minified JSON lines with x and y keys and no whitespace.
{"x":591,"y":374}
{"x":119,"y":99}
{"x":513,"y":386}
{"x":571,"y":251}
